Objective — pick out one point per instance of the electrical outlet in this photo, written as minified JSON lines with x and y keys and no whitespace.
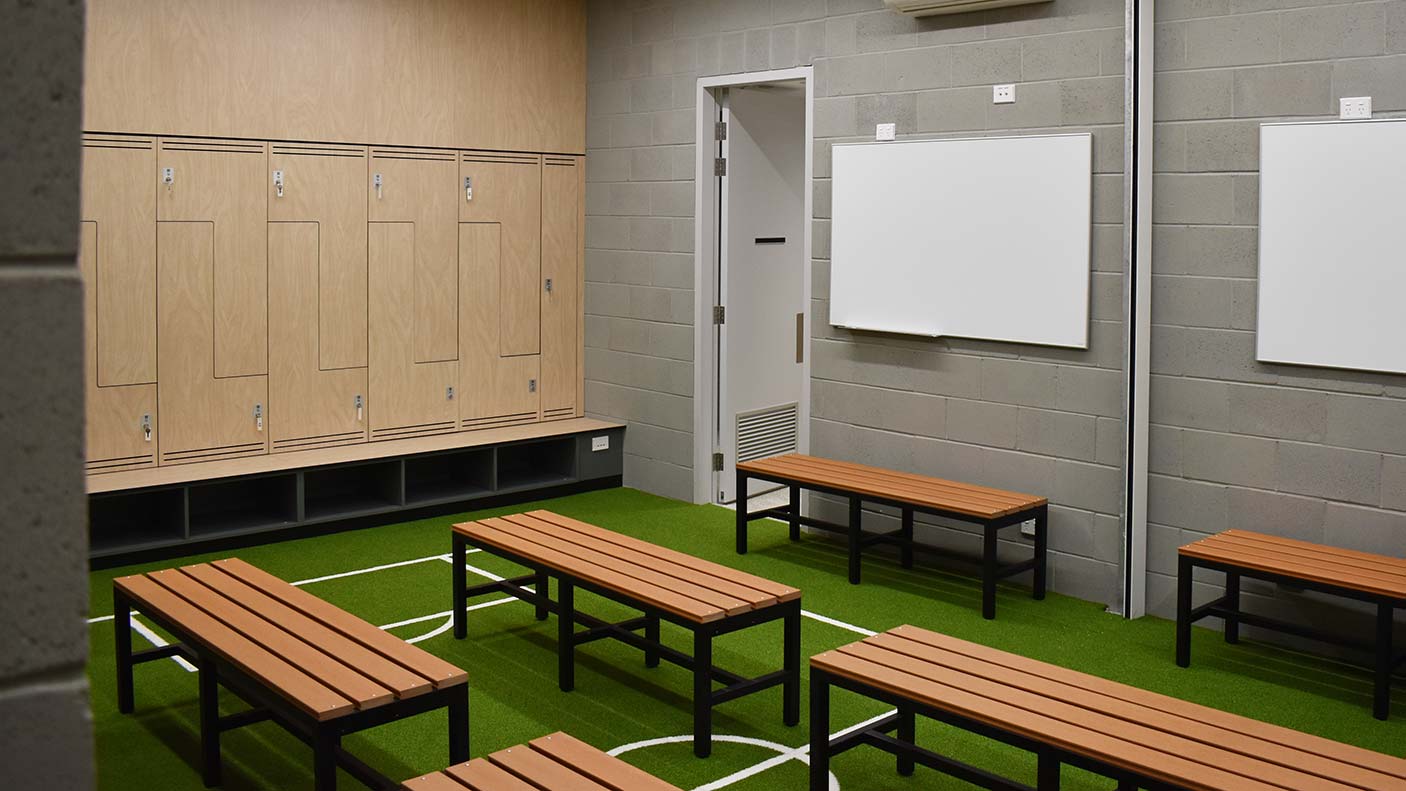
{"x":1003,"y":94}
{"x":885,"y":131}
{"x":1351,"y":107}
{"x":600,"y":443}
{"x":1027,"y":528}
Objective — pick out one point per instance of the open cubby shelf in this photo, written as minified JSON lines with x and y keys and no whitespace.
{"x":178,"y":518}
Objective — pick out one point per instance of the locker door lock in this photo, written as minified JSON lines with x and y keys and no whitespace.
{"x":168,"y":177}
{"x":360,"y":405}
{"x":468,"y":188}
{"x":146,"y":427}
{"x":549,"y":285}
{"x":531,"y":385}
{"x":449,"y":393}
{"x":376,"y":180}
{"x":259,"y":416}
{"x":278,"y":183}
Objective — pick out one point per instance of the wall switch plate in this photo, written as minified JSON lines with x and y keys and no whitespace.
{"x":600,"y":443}
{"x":1003,"y":94}
{"x":885,"y":131}
{"x":1027,"y":528}
{"x":1352,"y":107}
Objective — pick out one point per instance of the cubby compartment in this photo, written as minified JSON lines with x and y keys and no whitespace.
{"x":333,"y":492}
{"x":445,"y":477}
{"x":134,"y":519}
{"x":533,"y":464}
{"x":243,"y":505}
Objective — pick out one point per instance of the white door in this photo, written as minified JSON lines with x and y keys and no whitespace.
{"x":762,"y":339}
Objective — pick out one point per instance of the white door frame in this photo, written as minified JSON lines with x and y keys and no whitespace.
{"x":705,"y":263}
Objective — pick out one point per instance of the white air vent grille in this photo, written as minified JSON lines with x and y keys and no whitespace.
{"x":767,"y":432}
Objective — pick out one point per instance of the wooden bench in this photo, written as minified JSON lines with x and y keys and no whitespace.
{"x":707,"y":599}
{"x":1139,"y":739}
{"x":992,"y":509}
{"x":559,"y":762}
{"x":1375,"y":579}
{"x":315,"y":669}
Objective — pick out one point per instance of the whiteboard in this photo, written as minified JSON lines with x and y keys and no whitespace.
{"x":976,"y":238}
{"x":1332,"y":276}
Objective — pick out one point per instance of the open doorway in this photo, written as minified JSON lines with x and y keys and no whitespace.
{"x":753,"y":254}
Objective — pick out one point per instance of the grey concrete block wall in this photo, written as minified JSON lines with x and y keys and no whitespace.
{"x":1022,"y":417}
{"x":45,"y":734}
{"x":1307,"y":453}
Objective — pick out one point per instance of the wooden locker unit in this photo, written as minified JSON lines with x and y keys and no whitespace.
{"x":417,"y":186}
{"x":222,"y":183}
{"x":203,"y":416}
{"x":498,"y":390}
{"x":562,"y":206}
{"x":408,"y":398}
{"x":507,"y":190}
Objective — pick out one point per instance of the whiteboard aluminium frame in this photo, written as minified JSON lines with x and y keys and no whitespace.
{"x":706,"y":262}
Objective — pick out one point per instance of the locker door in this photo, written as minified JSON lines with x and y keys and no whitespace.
{"x":117,"y":259}
{"x":498,"y":391}
{"x":561,"y":267}
{"x":222,"y":183}
{"x":408,"y":398}
{"x":204,"y":416}
{"x":317,"y":296}
{"x":418,"y":187}
{"x":507,"y":189}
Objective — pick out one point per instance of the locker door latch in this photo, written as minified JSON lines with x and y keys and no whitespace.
{"x":278,"y":183}
{"x":449,"y":393}
{"x":146,"y":427}
{"x":376,"y":181}
{"x":168,"y":177}
{"x":531,"y":385}
{"x":549,"y":285}
{"x":359,"y":406}
{"x":259,"y":416}
{"x":468,"y":188}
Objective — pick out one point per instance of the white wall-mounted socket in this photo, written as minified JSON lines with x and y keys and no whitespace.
{"x":1003,"y":94}
{"x":600,"y":443}
{"x":885,"y":131}
{"x":1353,"y":107}
{"x":1027,"y":528}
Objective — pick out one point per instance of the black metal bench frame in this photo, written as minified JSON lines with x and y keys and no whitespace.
{"x":705,"y":673}
{"x":902,"y":744}
{"x":990,"y":566}
{"x":323,"y":736}
{"x":1227,"y":607}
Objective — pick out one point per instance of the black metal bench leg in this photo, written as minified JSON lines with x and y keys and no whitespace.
{"x":1381,"y":697}
{"x":460,"y":600}
{"x":1047,"y":772}
{"x":1184,"y":574}
{"x":209,"y":723}
{"x":702,"y":693}
{"x":541,"y":586}
{"x":905,"y":550}
{"x":459,"y":725}
{"x":988,"y":572}
{"x":1127,"y":785}
{"x":819,"y":731}
{"x":795,"y":516}
{"x":122,"y":624}
{"x":651,"y":633}
{"x":566,"y":635}
{"x":791,"y":664}
{"x":1042,"y":542}
{"x":1232,"y":603}
{"x":854,"y":536}
{"x":907,"y":733}
{"x":741,"y":512}
{"x":324,"y":759}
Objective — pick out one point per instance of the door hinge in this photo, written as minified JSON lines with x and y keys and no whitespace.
{"x":719,"y":314}
{"x":720,"y":130}
{"x":720,"y":167}
{"x":717,"y":462}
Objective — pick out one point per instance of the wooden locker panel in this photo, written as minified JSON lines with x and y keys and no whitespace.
{"x":117,"y":416}
{"x":203,"y":416}
{"x":561,"y":263}
{"x":507,"y":190}
{"x":498,"y":391}
{"x":412,"y":47}
{"x":323,"y":184}
{"x":418,"y":186}
{"x":119,"y":200}
{"x":308,"y":407}
{"x":222,"y":183}
{"x":323,"y":72}
{"x":407,"y":398}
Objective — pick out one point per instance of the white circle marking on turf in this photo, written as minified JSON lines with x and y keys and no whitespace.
{"x":784,"y":754}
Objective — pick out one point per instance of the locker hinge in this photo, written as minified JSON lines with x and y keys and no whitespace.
{"x":720,"y":130}
{"x":720,"y":167}
{"x":717,"y":462}
{"x":719,"y":314}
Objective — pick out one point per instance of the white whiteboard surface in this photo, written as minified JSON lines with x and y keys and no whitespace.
{"x":1332,"y":278}
{"x":976,"y":238}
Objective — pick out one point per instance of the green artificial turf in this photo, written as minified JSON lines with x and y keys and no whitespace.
{"x":511,"y":661}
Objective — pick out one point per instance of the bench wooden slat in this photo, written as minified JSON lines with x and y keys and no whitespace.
{"x":1327,"y":565}
{"x":1231,"y":723}
{"x":1153,"y":716}
{"x":524,"y":529}
{"x":920,"y":485}
{"x":330,"y":672}
{"x":301,"y":689}
{"x":605,"y":769}
{"x":404,"y":683}
{"x":439,"y":782}
{"x":702,"y":567}
{"x":482,"y":775}
{"x":1351,"y":557}
{"x":543,"y":772}
{"x":1278,"y":565}
{"x":1038,"y":726}
{"x":692,"y":609}
{"x":439,"y":672}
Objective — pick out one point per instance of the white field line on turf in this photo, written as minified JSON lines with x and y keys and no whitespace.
{"x":156,"y":640}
